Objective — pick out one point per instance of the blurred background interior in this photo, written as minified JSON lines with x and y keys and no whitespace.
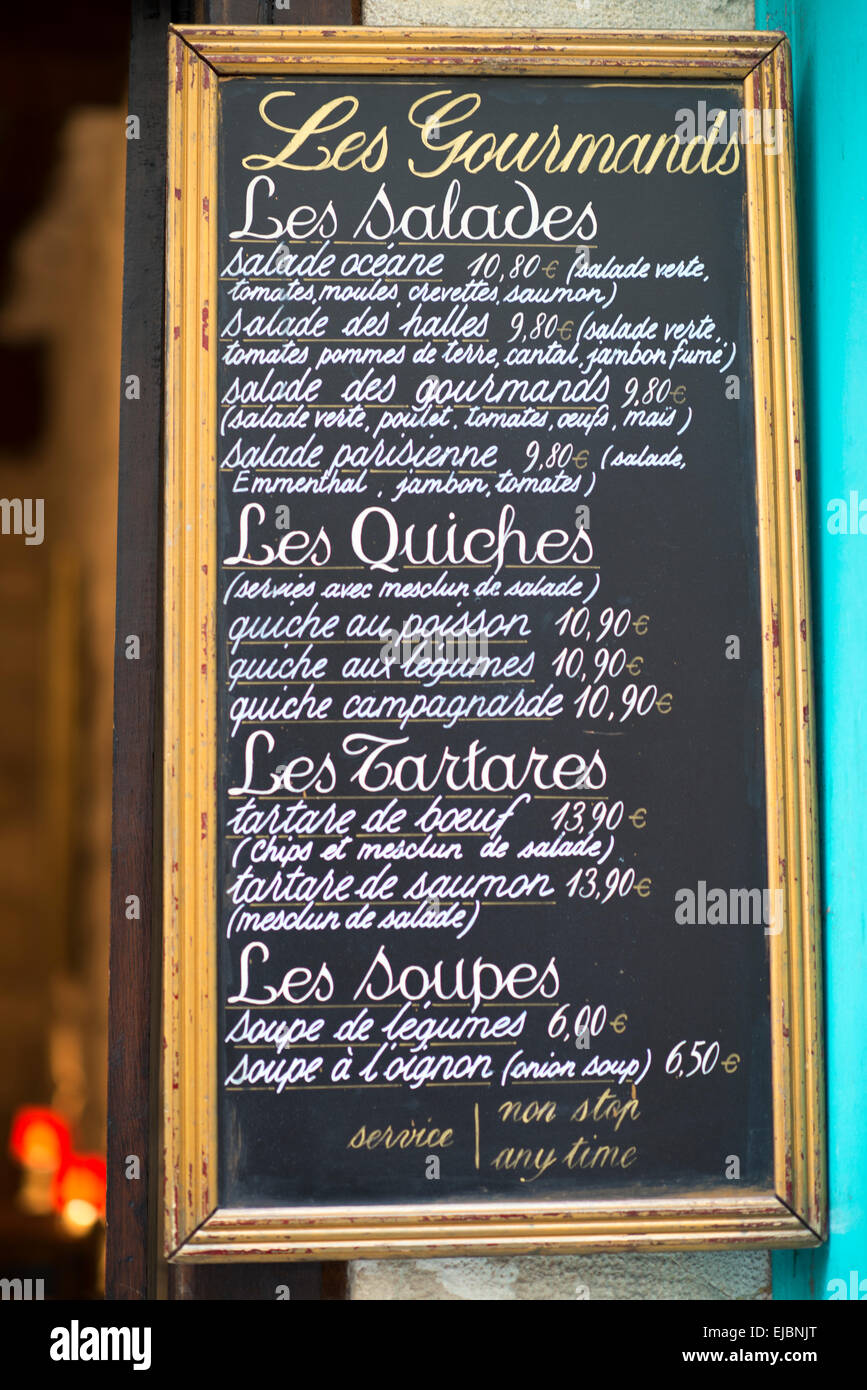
{"x":62,"y":148}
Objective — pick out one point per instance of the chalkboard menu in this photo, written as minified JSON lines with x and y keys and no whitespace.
{"x":489,"y":847}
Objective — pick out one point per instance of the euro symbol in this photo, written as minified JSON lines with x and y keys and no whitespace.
{"x":642,"y":623}
{"x":642,"y":887}
{"x":679,"y":394}
{"x":565,"y":329}
{"x":635,"y":665}
{"x":551,"y":269}
{"x":639,"y":818}
{"x":731,"y":1063}
{"x":619,"y":1023}
{"x":665,"y":702}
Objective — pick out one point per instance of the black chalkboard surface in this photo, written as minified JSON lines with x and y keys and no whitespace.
{"x":494,"y":916}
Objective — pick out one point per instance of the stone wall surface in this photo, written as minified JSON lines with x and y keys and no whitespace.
{"x":566,"y":14}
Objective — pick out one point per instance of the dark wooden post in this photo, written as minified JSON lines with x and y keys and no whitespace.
{"x":134,"y":864}
{"x":133,"y":1266}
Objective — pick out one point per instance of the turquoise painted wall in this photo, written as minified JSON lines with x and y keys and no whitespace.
{"x":829,"y":51}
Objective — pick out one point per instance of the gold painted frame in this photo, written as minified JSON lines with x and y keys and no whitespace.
{"x":195,"y":1228}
